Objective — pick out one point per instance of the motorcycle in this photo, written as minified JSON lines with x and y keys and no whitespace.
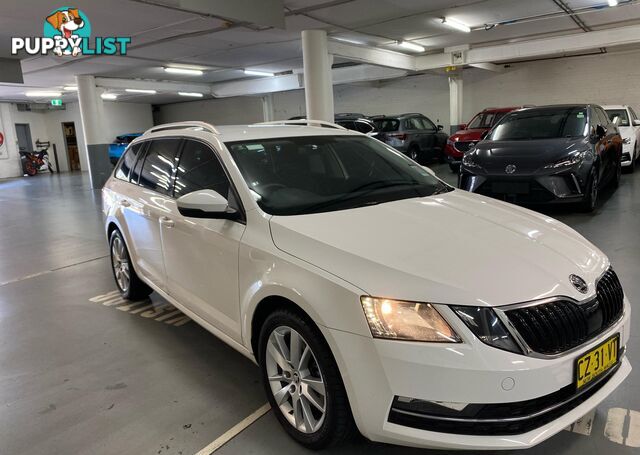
{"x":37,"y":161}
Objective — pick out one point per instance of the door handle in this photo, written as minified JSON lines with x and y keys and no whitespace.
{"x":167,"y":222}
{"x":125,"y":203}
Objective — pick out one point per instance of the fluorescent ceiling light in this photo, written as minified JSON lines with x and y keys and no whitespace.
{"x":257,"y":73}
{"x":140,"y":90}
{"x":347,"y":40}
{"x":411,"y":46}
{"x":42,"y":94}
{"x":109,"y":96}
{"x":613,"y":2}
{"x":70,"y":88}
{"x":194,"y":94}
{"x":187,"y":71}
{"x":456,"y":24}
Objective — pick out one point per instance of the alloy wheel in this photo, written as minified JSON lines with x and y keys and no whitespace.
{"x":120,"y":263}
{"x":295,"y":380}
{"x":413,"y":154}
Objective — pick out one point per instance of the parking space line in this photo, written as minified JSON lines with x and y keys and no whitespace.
{"x":235,"y":430}
{"x":615,"y":424}
{"x":45,"y":272}
{"x":633,"y":436}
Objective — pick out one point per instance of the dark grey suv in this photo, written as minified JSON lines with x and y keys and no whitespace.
{"x":413,"y":134}
{"x":547,"y":154}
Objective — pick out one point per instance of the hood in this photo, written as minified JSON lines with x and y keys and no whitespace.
{"x":454,"y":248}
{"x":468,"y":135}
{"x":527,"y":155}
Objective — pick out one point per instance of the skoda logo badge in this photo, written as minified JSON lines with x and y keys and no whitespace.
{"x":510,"y":169}
{"x":579,"y":284}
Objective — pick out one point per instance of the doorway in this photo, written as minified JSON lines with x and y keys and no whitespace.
{"x":23,"y":131}
{"x":71,"y":144}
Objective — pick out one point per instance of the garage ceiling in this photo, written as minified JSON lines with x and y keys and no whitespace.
{"x":163,"y":34}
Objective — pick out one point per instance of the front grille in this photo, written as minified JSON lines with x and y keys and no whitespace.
{"x":463,"y":146}
{"x":555,"y":327}
{"x":516,"y":191}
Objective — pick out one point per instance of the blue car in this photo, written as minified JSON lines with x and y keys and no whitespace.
{"x":119,"y":145}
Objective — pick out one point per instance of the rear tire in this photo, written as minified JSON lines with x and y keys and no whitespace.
{"x":131,"y":287}
{"x":297,"y":366}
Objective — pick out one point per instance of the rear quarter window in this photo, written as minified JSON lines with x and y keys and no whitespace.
{"x":127,"y":162}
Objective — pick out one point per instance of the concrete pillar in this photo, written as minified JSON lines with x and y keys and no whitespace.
{"x":93,"y":125}
{"x":455,"y":101}
{"x":10,"y":164}
{"x":267,"y":108}
{"x":318,"y":87}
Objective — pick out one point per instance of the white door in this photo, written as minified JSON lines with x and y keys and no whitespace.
{"x":201,"y":255}
{"x":151,"y":202}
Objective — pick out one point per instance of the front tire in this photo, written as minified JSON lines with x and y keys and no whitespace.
{"x":590,"y":200}
{"x":302,"y":381}
{"x":131,"y":287}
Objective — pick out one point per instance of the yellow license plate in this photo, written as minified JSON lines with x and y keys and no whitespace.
{"x":597,"y":361}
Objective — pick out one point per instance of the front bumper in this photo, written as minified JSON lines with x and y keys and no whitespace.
{"x":376,"y":371}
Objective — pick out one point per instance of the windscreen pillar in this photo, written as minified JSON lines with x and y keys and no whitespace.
{"x":455,"y":102}
{"x":94,"y":127}
{"x":318,"y":87}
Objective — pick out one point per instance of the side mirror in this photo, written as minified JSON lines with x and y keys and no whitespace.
{"x":206,"y":204}
{"x":484,"y":135}
{"x":440,"y":127}
{"x":636,"y":122}
{"x":463,"y":126}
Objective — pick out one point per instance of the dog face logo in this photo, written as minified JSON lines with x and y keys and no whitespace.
{"x":68,"y":26}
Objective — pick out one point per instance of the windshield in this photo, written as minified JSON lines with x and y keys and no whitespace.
{"x":621,"y":113}
{"x":312,"y":174}
{"x":485,"y":120}
{"x":547,"y":123}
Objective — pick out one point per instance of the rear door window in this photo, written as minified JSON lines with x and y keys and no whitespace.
{"x":159,"y":165}
{"x":128,"y":161}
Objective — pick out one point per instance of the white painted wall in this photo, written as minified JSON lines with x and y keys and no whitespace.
{"x":9,"y":157}
{"x":612,"y":78}
{"x":120,"y":118}
{"x":223,"y":111}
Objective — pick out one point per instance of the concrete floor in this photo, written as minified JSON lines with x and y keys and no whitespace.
{"x":82,"y":372}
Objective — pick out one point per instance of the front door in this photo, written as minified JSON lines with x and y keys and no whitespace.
{"x":201,"y":255}
{"x":23,"y":132}
{"x":152,"y":202}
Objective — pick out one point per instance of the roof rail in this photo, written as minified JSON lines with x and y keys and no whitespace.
{"x":183,"y":126}
{"x":304,"y":122}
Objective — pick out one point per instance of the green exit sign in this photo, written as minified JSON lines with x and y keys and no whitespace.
{"x":57,"y":102}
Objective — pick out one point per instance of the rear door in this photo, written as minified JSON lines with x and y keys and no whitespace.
{"x":151,"y":203}
{"x":610,"y":143}
{"x":201,"y":255}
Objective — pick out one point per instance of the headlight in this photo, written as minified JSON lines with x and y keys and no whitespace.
{"x":468,"y":160}
{"x":570,"y":160}
{"x":485,"y":324}
{"x":409,"y":321}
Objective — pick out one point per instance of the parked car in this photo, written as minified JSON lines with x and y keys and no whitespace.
{"x":357,"y":122}
{"x":629,"y":127}
{"x":117,"y":148}
{"x":351,"y":121}
{"x":414,"y":135}
{"x":549,"y":154}
{"x":470,"y":134}
{"x":284,"y":242}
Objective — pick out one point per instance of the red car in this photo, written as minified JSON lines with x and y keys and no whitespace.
{"x":471,"y":133}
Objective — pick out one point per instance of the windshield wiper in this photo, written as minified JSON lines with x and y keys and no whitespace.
{"x":358,"y":192}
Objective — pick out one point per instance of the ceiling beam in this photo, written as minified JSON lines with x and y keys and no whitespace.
{"x":488,"y":67}
{"x":375,"y":56}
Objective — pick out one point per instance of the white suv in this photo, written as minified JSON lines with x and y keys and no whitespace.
{"x":370,"y":293}
{"x":629,"y":126}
